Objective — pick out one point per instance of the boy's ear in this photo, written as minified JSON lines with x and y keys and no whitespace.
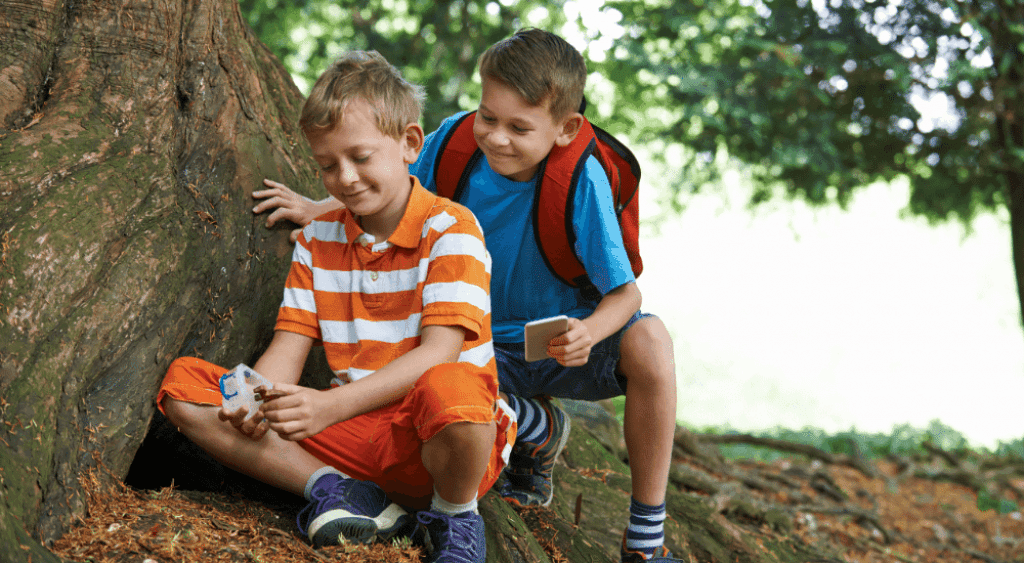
{"x":571,"y":126}
{"x":413,"y":139}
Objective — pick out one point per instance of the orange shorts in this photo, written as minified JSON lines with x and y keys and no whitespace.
{"x":383,"y":446}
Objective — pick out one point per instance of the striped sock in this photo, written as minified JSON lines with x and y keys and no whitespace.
{"x":646,"y":531}
{"x":531,"y":418}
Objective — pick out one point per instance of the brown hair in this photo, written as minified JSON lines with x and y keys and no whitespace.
{"x":540,"y":66}
{"x":369,"y":76}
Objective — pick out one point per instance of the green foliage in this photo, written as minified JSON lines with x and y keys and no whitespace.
{"x":988,"y":501}
{"x":436,"y":44}
{"x":1011,"y":450}
{"x":903,"y":440}
{"x":815,"y":96}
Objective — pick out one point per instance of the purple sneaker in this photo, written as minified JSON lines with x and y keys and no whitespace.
{"x":453,"y":539}
{"x":349,"y":510}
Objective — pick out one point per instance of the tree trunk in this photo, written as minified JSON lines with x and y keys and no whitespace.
{"x":132,"y":134}
{"x":1008,"y":133}
{"x":1015,"y":182}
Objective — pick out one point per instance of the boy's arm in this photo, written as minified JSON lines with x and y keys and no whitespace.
{"x":305,"y":412}
{"x":283,"y":360}
{"x":615,"y":308}
{"x":600,"y":244}
{"x":291,"y":206}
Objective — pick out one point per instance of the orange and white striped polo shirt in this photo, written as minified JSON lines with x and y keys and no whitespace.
{"x":367,"y":301}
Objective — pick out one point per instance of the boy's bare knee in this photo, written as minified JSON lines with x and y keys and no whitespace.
{"x":646,"y":353}
{"x":468,"y":442}
{"x":458,"y":446}
{"x":182,"y":414}
{"x":462,"y":435}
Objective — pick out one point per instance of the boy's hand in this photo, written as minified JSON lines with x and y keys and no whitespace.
{"x":290,"y":205}
{"x":572,"y":348}
{"x":296,"y":412}
{"x":254,"y":428}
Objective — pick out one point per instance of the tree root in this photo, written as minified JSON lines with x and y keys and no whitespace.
{"x":856,"y":461}
{"x":783,"y":495}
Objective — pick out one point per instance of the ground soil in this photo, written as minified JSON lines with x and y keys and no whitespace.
{"x":901,"y":513}
{"x":913,"y":519}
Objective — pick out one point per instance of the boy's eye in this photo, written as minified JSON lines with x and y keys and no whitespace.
{"x":487,"y":118}
{"x":519,"y":129}
{"x":360,"y":159}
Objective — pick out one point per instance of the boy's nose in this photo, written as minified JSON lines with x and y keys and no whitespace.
{"x":348,"y":175}
{"x":498,"y":138}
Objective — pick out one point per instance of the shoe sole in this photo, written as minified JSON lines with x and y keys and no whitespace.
{"x":562,"y":440}
{"x":339,"y":526}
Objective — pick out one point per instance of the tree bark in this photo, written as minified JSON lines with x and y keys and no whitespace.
{"x":1015,"y":183}
{"x":132,"y":134}
{"x":1008,"y":133}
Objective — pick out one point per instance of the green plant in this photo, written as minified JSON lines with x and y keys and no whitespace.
{"x":989,"y":501}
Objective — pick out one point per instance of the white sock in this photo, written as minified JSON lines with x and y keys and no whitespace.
{"x":438,"y":504}
{"x":327,"y":469}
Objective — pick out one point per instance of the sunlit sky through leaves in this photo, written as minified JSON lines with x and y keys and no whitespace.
{"x":792,"y":316}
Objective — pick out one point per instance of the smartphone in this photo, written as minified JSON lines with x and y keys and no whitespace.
{"x":539,"y":333}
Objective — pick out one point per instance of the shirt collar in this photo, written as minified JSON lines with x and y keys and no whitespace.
{"x":410,"y":227}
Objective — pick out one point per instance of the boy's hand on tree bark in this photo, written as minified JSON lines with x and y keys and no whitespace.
{"x":289,"y":205}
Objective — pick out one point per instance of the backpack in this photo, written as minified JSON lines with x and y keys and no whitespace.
{"x":552,"y":208}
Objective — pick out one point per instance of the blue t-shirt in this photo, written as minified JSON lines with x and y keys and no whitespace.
{"x":522,"y":287}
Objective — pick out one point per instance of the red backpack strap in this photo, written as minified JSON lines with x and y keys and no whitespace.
{"x":555,"y":193}
{"x":456,"y":157}
{"x":553,"y":207}
{"x":623,"y":171}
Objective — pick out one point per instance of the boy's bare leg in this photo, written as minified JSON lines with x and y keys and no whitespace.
{"x":276,"y":462}
{"x":647,"y":361}
{"x":457,"y":457}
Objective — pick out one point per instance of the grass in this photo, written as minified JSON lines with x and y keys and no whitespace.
{"x":904,"y":440}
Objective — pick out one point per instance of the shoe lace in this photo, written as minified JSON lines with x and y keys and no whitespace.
{"x":456,"y":535}
{"x":522,"y":461}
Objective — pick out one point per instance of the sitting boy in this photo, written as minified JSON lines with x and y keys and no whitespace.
{"x":395,"y":285}
{"x":532,"y":86}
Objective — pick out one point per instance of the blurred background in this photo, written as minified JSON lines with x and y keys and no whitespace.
{"x":830,"y":187}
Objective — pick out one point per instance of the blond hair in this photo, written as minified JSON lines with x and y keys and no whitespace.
{"x":367,"y":75}
{"x":541,"y":66}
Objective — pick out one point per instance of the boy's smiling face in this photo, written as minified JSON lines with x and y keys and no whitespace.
{"x":515,"y":136}
{"x":365,"y":169}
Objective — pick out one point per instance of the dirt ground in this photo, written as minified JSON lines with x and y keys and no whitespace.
{"x":897,"y":515}
{"x":913,"y":519}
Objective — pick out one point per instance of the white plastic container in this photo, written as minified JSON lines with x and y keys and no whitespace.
{"x":237,"y":389}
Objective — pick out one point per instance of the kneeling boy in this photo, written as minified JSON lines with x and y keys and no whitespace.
{"x":396,"y":286}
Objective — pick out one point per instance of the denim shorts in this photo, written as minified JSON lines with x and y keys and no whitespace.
{"x":595,"y":380}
